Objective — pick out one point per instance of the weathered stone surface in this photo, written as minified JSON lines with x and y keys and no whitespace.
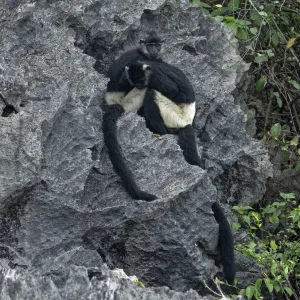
{"x":61,"y":203}
{"x":80,"y":283}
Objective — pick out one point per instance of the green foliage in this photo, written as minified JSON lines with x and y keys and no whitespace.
{"x":139,"y":283}
{"x":277,"y":250}
{"x":269,"y":35}
{"x":289,"y":147}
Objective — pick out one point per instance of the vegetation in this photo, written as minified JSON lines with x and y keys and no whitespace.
{"x":269,"y":33}
{"x":277,"y":249}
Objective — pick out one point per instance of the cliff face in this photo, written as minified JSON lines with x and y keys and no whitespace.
{"x":61,"y":203}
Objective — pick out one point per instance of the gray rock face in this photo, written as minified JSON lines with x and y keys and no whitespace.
{"x":61,"y":203}
{"x":80,"y":283}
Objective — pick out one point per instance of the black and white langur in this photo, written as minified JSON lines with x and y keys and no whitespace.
{"x":153,"y":84}
{"x":122,"y":96}
{"x":168,"y":102}
{"x":162,"y":113}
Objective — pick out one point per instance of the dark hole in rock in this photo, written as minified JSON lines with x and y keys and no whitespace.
{"x":97,"y":274}
{"x":94,"y":152}
{"x":190,"y":50}
{"x":8,"y":110}
{"x":105,"y":258}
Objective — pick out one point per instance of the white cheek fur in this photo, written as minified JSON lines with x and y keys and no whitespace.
{"x":175,"y":116}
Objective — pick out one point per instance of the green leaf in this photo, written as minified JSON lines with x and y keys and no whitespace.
{"x":242,"y":33}
{"x":250,"y":291}
{"x":219,"y":11}
{"x":252,"y":245}
{"x":201,"y":4}
{"x":270,"y":52}
{"x":274,"y":219}
{"x":277,"y":287}
{"x":139,"y":283}
{"x":294,"y":141}
{"x":269,"y":284}
{"x":276,"y":130}
{"x":270,"y":8}
{"x":273,"y":269}
{"x":242,"y":22}
{"x":258,"y":283}
{"x":260,"y":84}
{"x":287,"y":196}
{"x":219,"y":18}
{"x":269,"y":209}
{"x":246,"y":219}
{"x":298,"y":165}
{"x":288,"y":290}
{"x":273,"y":245}
{"x":263,"y":13}
{"x":256,"y":17}
{"x":275,"y":39}
{"x":229,"y":19}
{"x":295,"y":84}
{"x":286,"y":270}
{"x":279,"y":101}
{"x":236,"y":226}
{"x":242,"y":209}
{"x":260,"y":58}
{"x":234,"y":4}
{"x":253,"y":30}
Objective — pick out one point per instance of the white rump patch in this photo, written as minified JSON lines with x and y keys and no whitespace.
{"x":114,"y":97}
{"x":134,"y":99}
{"x":175,"y":116}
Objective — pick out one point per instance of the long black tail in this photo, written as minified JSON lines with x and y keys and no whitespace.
{"x":109,"y":128}
{"x":225,"y":243}
{"x":187,"y":142}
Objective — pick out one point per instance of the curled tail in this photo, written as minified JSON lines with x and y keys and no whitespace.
{"x":187,"y":142}
{"x":225,"y":243}
{"x":109,"y":128}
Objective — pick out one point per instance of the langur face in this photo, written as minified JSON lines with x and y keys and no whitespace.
{"x":153,"y":49}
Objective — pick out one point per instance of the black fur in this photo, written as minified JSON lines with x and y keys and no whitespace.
{"x":187,"y":142}
{"x":114,"y":150}
{"x":225,"y":243}
{"x":154,"y":120}
{"x":171,"y":82}
{"x":117,"y":68}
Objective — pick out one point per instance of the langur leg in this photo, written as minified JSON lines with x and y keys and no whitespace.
{"x":152,"y":115}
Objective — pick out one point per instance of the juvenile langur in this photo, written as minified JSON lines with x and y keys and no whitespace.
{"x":150,"y":49}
